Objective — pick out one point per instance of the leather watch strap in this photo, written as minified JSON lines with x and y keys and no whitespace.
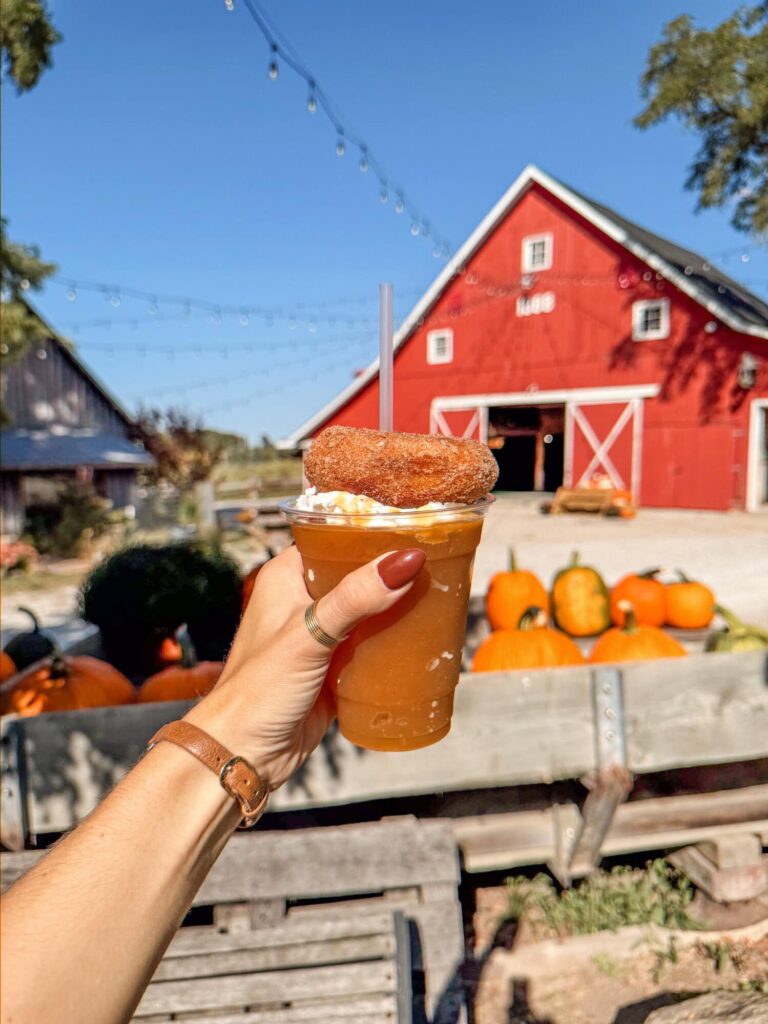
{"x":239,"y":778}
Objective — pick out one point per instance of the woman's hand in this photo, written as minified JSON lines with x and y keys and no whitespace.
{"x":270,"y":705}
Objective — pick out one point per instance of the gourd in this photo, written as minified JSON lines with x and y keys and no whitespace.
{"x":7,"y":666}
{"x":532,"y":645}
{"x":645,"y":593}
{"x":64,"y":683}
{"x":580,"y":600}
{"x":189,"y":680}
{"x":689,"y":604}
{"x":26,"y":648}
{"x":737,"y":635}
{"x":633,"y":642}
{"x":510,"y":593}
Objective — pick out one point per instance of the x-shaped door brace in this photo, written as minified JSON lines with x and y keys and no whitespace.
{"x":442,"y":426}
{"x":600,"y":448}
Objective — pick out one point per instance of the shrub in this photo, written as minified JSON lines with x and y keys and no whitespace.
{"x":144,"y":593}
{"x":66,"y":528}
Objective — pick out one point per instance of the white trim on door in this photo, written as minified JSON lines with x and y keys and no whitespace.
{"x":758,"y":424}
{"x":582,"y":396}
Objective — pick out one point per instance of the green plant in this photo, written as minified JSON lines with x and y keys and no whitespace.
{"x":668,"y":955}
{"x":606,"y":965}
{"x":606,"y":900}
{"x":144,"y":593}
{"x":721,"y":954}
{"x":66,"y":528}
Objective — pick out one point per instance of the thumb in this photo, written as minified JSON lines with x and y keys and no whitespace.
{"x":373,"y":588}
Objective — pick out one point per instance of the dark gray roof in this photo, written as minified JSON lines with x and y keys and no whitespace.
{"x":66,"y":449}
{"x":712,"y":282}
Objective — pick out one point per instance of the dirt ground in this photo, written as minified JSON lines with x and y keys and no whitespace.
{"x":608,"y":978}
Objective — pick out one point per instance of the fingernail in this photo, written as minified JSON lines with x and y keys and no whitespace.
{"x":400,"y":567}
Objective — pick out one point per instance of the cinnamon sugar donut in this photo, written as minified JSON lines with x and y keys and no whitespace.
{"x":403,"y":470}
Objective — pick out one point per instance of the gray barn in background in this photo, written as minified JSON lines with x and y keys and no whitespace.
{"x":61,"y":424}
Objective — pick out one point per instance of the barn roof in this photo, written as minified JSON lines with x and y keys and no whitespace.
{"x":725,"y":298}
{"x":28,"y":450}
{"x":70,"y":355}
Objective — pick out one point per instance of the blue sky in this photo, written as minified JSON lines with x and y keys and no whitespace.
{"x":157,"y":154}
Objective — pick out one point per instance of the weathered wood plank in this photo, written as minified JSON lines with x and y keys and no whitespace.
{"x":366,"y":1010}
{"x":235,"y":991}
{"x":496,"y":841}
{"x":277,"y":958}
{"x":726,"y":885}
{"x":199,"y":940}
{"x":713,"y":710}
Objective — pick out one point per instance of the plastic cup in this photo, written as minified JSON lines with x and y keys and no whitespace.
{"x":394,"y":678}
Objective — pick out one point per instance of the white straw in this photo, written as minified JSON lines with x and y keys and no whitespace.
{"x":386,"y":356}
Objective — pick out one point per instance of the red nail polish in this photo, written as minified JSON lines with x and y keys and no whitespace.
{"x":400,"y":567}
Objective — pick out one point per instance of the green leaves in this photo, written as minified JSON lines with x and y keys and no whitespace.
{"x":26,"y":40}
{"x":715,"y":81}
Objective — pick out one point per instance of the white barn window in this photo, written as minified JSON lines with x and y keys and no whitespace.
{"x":650,"y":320}
{"x":440,"y":347}
{"x":537,"y":253}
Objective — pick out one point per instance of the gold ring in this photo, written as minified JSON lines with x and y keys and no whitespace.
{"x":317,"y":631}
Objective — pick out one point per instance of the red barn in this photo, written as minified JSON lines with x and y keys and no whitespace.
{"x":579,"y":344}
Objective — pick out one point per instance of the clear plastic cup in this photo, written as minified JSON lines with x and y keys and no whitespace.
{"x":394,"y":678}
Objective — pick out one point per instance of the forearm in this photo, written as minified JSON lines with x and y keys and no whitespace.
{"x":84,"y":931}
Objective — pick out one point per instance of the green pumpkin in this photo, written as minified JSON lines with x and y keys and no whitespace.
{"x":737,"y":635}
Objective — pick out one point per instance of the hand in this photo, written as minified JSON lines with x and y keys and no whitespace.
{"x":270,"y":705}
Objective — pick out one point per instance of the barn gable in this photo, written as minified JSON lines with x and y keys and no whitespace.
{"x":691,"y":275}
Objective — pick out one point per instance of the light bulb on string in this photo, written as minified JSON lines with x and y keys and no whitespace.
{"x":363,"y":165}
{"x":24,"y":284}
{"x":745,"y":257}
{"x":436,"y":252}
{"x":230,"y":5}
{"x":384,"y":194}
{"x":312,"y":99}
{"x":425,"y":229}
{"x":340,"y":145}
{"x":415,"y":229}
{"x":71,"y":295}
{"x":244,"y":319}
{"x":153,"y":307}
{"x":273,"y":64}
{"x":115,"y":300}
{"x":399,"y":204}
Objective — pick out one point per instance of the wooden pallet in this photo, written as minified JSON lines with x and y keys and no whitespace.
{"x":341,"y":874}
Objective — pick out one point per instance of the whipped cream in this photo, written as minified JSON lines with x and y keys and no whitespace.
{"x":344,"y":502}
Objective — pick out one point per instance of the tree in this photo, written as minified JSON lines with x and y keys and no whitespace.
{"x":26,"y":40}
{"x":184,"y":452}
{"x":21,"y":269}
{"x":716,"y":82}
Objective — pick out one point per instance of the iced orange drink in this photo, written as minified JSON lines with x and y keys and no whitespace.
{"x":395,"y":677}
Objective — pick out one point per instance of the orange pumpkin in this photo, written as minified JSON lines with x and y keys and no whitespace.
{"x":510,"y":593}
{"x":632,"y":642}
{"x":645,"y":593}
{"x":7,"y":666}
{"x":532,"y":645}
{"x":62,"y":683}
{"x":580,"y":600}
{"x":689,"y":605}
{"x":189,"y":680}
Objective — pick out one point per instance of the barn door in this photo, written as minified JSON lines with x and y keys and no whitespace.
{"x":604,"y":439}
{"x":470,"y":423}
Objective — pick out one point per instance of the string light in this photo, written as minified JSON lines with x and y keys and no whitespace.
{"x":340,"y":147}
{"x":312,"y":99}
{"x":384,"y":194}
{"x":71,"y":295}
{"x":399,"y":204}
{"x":318,"y":99}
